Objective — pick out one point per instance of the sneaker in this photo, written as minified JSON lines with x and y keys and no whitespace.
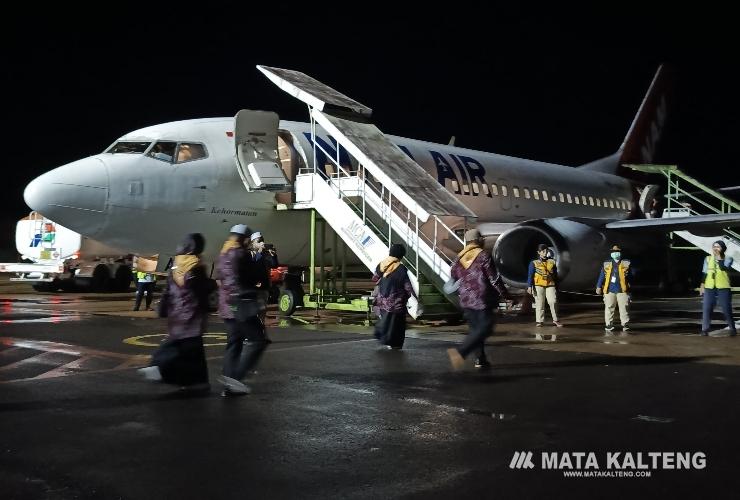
{"x":151,"y":373}
{"x":226,"y":393}
{"x":456,"y":359}
{"x":558,"y":324}
{"x":609,"y":328}
{"x":482,"y":363}
{"x":234,"y":386}
{"x":704,"y":333}
{"x":539,"y":325}
{"x":625,"y":329}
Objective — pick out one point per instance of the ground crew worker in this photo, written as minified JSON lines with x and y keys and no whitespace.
{"x":614,"y":283}
{"x":716,"y":287}
{"x":542,"y":284}
{"x":144,"y":286}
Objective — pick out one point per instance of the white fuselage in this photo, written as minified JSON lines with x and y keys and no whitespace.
{"x":146,"y":205}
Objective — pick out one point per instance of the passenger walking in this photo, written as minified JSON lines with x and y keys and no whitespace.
{"x":181,"y":360}
{"x":480,"y":288}
{"x":542,"y":285}
{"x":614,"y":283}
{"x":394,"y":291}
{"x":715,"y":287}
{"x":240,"y":307}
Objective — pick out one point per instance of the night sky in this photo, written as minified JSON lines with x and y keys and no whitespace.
{"x":550,"y":86}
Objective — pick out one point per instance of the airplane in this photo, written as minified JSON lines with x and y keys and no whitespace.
{"x":154,"y":185}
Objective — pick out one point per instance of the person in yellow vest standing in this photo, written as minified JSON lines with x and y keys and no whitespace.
{"x":542,"y":285}
{"x":716,"y":287}
{"x":145,"y":282}
{"x":614,"y":283}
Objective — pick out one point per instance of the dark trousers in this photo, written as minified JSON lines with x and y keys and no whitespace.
{"x":246,"y":341}
{"x":711,"y":297}
{"x":391,"y":328}
{"x":182,"y":361}
{"x":480,"y":327}
{"x":144,"y":287}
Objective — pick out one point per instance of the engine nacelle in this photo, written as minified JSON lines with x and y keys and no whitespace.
{"x":579,"y":249}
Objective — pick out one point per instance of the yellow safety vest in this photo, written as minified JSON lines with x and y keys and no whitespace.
{"x":716,"y":277}
{"x":622,"y":269}
{"x":140,"y":275}
{"x":543,"y":272}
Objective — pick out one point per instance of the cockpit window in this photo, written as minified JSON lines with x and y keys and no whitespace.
{"x":128,"y":147}
{"x":189,"y":151}
{"x":163,"y":150}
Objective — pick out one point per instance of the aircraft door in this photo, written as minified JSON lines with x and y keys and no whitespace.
{"x":256,"y":142}
{"x":505,"y":193}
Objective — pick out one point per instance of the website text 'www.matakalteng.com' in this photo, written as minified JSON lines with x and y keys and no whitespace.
{"x":613,"y":464}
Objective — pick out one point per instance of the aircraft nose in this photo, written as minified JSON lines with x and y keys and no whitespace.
{"x":73,"y":195}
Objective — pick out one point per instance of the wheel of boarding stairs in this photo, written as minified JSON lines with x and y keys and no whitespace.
{"x":287,"y":302}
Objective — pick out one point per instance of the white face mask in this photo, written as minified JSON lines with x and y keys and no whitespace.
{"x":616,"y":255}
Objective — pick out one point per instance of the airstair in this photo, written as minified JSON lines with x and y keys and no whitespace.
{"x":687,"y":197}
{"x":382,"y":197}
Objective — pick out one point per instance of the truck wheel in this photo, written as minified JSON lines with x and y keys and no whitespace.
{"x":122,"y":279}
{"x":46,"y":286}
{"x":100,"y":278}
{"x":286,"y":302}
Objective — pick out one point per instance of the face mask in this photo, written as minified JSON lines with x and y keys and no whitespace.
{"x":616,"y":255}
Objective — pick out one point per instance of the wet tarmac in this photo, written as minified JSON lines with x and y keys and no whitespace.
{"x":333,"y":416}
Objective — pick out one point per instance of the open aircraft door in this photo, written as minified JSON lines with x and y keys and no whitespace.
{"x":256,"y":142}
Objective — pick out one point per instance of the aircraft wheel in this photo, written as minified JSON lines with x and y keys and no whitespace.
{"x":286,"y":302}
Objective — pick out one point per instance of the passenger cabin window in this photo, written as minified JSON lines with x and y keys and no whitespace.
{"x":455,"y":186}
{"x":129,"y":147}
{"x":567,"y":196}
{"x":516,"y":192}
{"x":484,"y":187}
{"x":591,"y":200}
{"x":544,"y":195}
{"x":526,"y":193}
{"x":611,"y":203}
{"x":583,"y":200}
{"x":189,"y":151}
{"x":577,"y":199}
{"x":603,"y":200}
{"x":475,"y":188}
{"x":562,"y":198}
{"x":494,"y":189}
{"x":504,"y":191}
{"x":163,"y":150}
{"x":536,"y":194}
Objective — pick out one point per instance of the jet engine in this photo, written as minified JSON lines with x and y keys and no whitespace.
{"x":579,"y":246}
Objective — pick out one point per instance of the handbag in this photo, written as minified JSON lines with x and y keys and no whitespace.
{"x":164,"y":303}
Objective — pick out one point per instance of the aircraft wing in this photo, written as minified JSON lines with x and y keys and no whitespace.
{"x":685,"y":223}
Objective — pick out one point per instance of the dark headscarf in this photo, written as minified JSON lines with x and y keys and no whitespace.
{"x":193,"y":244}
